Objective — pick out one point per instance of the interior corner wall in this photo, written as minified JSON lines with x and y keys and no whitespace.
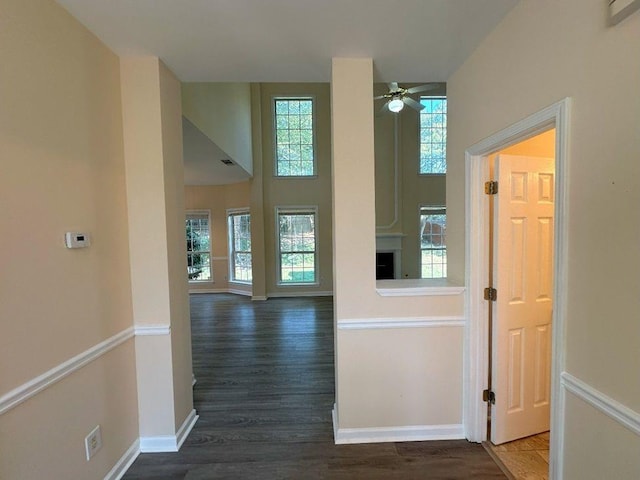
{"x":63,"y":170}
{"x":287,"y":192}
{"x":388,"y":175}
{"x":256,"y":185}
{"x":542,"y":52}
{"x":217,"y":199}
{"x":171,"y":114}
{"x":222,"y":111}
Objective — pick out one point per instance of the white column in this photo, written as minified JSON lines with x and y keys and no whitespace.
{"x":353,"y":185}
{"x":155,"y":201}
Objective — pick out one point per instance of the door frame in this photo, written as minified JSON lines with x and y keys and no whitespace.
{"x":477,"y":264}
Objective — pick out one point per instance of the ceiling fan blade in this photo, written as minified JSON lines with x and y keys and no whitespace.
{"x":412,"y":103}
{"x":393,"y":87}
{"x":385,"y":108}
{"x":423,"y":88}
{"x":380,"y":96}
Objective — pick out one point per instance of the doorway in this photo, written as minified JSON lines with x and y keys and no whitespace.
{"x":477,"y":266}
{"x":521,"y":225}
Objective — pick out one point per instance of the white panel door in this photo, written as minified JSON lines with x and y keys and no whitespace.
{"x":523,"y":278}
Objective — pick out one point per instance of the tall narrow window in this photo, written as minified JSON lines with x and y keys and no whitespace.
{"x":433,"y":248}
{"x":294,"y":137}
{"x":198,"y":247}
{"x":239,"y":223}
{"x":433,"y":135}
{"x":297,"y":246}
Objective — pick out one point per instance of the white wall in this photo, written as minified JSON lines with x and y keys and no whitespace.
{"x":62,"y":168}
{"x":155,"y":198}
{"x":222,"y":111}
{"x":542,"y":52}
{"x":394,"y":355}
{"x":171,"y":109}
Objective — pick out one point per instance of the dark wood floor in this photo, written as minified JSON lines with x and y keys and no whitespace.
{"x":264,"y":395}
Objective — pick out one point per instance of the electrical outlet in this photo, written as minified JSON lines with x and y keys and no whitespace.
{"x":93,"y":442}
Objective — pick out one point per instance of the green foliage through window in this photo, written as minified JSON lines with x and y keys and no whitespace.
{"x":294,"y":137}
{"x":198,"y":247}
{"x":297,"y":246}
{"x":433,"y":135}
{"x":240,"y":247}
{"x":433,"y":248}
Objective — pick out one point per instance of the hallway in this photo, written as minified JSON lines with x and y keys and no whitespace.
{"x":264,"y":393}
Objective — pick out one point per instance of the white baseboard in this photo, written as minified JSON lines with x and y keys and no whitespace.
{"x":169,"y":443}
{"x":258,"y":298}
{"x":235,"y":291}
{"x":186,"y":427}
{"x":122,"y":465}
{"x":299,"y":294}
{"x":158,"y":444}
{"x":246,"y":293}
{"x":413,"y":433}
{"x":207,"y":290}
{"x":161,"y":443}
{"x":615,"y":410}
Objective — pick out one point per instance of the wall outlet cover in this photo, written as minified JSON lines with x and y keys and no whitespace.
{"x":93,"y":442}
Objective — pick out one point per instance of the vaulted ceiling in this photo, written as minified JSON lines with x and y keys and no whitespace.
{"x":294,"y":40}
{"x":287,"y":41}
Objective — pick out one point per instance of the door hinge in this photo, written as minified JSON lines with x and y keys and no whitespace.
{"x":491,"y":187}
{"x":490,"y":294}
{"x":488,"y":396}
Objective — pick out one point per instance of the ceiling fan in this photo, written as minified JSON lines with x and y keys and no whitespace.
{"x":398,"y":97}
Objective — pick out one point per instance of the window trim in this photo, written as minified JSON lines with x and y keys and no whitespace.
{"x":431,"y":174}
{"x":230,"y":244}
{"x":210,"y":251}
{"x":314,"y":135}
{"x":433,"y":210}
{"x":297,"y":209}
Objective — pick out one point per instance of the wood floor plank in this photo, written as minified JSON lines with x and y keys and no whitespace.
{"x":264,"y":393}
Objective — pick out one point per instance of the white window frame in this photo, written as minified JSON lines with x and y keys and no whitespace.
{"x":313,"y":134}
{"x":431,"y":210}
{"x":231,"y":243}
{"x":297,"y":210}
{"x":444,"y":97}
{"x":201,"y":213}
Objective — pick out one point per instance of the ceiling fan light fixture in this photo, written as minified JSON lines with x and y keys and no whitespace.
{"x":395,"y":105}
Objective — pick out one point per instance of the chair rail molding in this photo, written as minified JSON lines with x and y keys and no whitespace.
{"x":34,"y":386}
{"x":615,"y":410}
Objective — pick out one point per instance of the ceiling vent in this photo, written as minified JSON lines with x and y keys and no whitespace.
{"x":227,"y":161}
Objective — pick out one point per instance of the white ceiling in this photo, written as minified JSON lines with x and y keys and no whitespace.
{"x":294,"y":40}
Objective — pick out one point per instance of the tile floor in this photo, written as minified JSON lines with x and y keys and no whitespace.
{"x":527,"y":458}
